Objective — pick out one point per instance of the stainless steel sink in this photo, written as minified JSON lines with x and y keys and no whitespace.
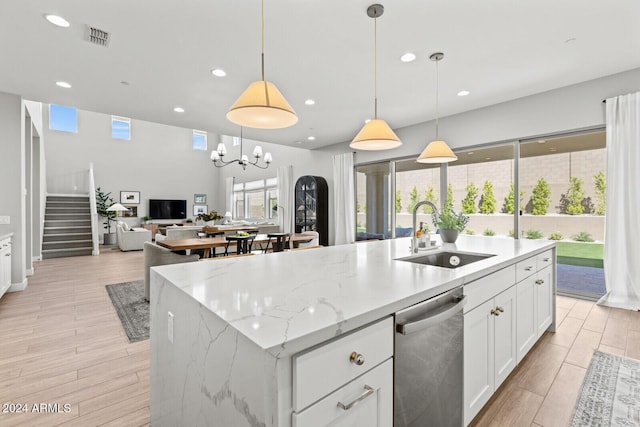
{"x":446,"y":259}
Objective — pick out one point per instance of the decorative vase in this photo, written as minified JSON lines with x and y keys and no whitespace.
{"x":449,"y":236}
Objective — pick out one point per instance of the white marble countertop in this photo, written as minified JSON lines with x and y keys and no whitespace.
{"x":4,"y":236}
{"x":289,"y":301}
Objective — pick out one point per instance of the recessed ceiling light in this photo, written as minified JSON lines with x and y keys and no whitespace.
{"x":311,"y":138}
{"x":408,"y":57}
{"x":179,"y":110}
{"x":463,"y":93}
{"x":64,"y":85}
{"x":57,"y":20}
{"x":218,"y":72}
{"x":309,"y":102}
{"x":542,"y":141}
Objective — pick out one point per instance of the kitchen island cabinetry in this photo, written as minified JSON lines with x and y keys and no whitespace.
{"x":237,"y":342}
{"x":5,"y":263}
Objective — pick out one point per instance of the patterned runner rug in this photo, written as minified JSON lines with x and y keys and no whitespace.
{"x":132,"y":308}
{"x":610,"y":393}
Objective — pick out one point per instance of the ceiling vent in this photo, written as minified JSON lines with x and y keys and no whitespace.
{"x":96,"y":36}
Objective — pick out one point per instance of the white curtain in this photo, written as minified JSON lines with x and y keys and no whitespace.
{"x":344,"y":199}
{"x":285,"y":199}
{"x":622,"y":223}
{"x":228,"y":195}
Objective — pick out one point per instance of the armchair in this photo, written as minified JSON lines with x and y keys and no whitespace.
{"x":132,"y":239}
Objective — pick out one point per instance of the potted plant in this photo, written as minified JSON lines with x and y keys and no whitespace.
{"x":449,"y":223}
{"x":146,"y":219}
{"x":209,"y":217}
{"x":103,"y":202}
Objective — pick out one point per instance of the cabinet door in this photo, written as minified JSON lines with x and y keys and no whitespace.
{"x":5,"y":269}
{"x":527,"y":332}
{"x":544,"y":294}
{"x":368,"y":401}
{"x":478,"y":359}
{"x":505,"y":335}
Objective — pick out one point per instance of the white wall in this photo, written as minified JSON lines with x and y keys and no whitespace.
{"x":158,"y":161}
{"x":569,"y":108}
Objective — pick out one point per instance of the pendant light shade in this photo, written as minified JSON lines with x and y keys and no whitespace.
{"x":437,"y":151}
{"x":375,"y":134}
{"x":262,"y":106}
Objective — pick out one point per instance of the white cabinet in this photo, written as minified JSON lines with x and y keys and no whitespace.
{"x":535,"y":302}
{"x":5,"y":265}
{"x":489,"y":349}
{"x":348,"y":381}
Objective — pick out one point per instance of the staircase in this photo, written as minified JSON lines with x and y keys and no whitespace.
{"x":67,"y":227}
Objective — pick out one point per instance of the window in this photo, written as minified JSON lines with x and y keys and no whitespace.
{"x":199,"y":140}
{"x":120,"y":128}
{"x":256,"y":199}
{"x":63,"y":119}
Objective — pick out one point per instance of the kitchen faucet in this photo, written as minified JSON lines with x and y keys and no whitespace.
{"x":414,"y":241}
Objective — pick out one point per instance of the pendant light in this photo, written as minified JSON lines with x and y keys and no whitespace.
{"x":261,"y":105}
{"x":376,"y":133}
{"x":437,"y":151}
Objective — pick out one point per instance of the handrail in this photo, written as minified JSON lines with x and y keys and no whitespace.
{"x":95,"y":220}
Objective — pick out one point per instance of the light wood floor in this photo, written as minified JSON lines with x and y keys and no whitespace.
{"x":62,"y":342}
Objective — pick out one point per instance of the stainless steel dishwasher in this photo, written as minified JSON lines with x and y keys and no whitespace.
{"x":428,"y":369}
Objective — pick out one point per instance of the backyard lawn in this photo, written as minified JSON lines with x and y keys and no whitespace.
{"x":577,"y":253}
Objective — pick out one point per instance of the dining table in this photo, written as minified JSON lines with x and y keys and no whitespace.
{"x":208,"y":243}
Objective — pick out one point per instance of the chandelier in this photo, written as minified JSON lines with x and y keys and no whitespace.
{"x":217,"y":157}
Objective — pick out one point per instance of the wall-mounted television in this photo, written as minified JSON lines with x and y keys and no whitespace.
{"x":167,"y":209}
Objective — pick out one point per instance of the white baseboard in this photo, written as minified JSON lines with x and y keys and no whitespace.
{"x":18,"y":286}
{"x":29,"y":272}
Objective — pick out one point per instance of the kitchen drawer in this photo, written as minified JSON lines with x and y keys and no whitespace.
{"x":324,"y":369}
{"x":488,"y":287}
{"x":544,"y":259}
{"x":525,"y":268}
{"x":373,"y":394}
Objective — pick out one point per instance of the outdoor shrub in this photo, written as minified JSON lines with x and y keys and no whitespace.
{"x":601,"y":188}
{"x":540,"y":197}
{"x":469,"y":232}
{"x":511,"y":233}
{"x":357,"y":206}
{"x":469,"y":202}
{"x":398,"y":201}
{"x":582,"y":236}
{"x":555,"y":236}
{"x":533,"y":234}
{"x":488,"y":199}
{"x":509,"y":203}
{"x":429,"y":195}
{"x":489,"y":232}
{"x":413,"y":199}
{"x":448,"y":203}
{"x":574,"y":196}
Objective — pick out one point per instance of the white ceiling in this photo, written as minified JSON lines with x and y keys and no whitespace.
{"x":497,"y":49}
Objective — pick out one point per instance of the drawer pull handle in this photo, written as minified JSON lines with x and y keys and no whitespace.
{"x":356,"y":358}
{"x":495,"y":312}
{"x":528,"y":268}
{"x":546,"y":259}
{"x":368,"y":392}
{"x":539,"y":282}
{"x":500,"y":309}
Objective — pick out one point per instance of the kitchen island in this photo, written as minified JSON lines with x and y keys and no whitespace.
{"x":226,"y":336}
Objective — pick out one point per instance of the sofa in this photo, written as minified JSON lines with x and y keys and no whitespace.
{"x":154,"y":256}
{"x":132,"y":239}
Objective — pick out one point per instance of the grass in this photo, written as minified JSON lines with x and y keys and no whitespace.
{"x":584,"y":254}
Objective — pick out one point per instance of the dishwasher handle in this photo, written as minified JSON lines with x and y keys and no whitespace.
{"x":418,"y":325}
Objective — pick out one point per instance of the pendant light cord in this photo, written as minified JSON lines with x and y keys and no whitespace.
{"x":375,"y":66}
{"x":262,"y":52}
{"x":437,"y":86}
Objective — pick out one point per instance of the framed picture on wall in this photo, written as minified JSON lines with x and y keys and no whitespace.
{"x":199,"y":209}
{"x":130,"y":197}
{"x":200,"y":198}
{"x":131,"y":213}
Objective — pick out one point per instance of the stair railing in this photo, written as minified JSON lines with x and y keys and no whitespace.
{"x":95,"y":220}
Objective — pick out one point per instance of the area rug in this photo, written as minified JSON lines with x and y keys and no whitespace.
{"x":132,"y":308}
{"x":610,"y":393}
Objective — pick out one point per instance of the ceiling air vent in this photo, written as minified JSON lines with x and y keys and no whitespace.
{"x":96,"y":36}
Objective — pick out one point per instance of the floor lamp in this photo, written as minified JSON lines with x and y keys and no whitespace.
{"x":117,"y":207}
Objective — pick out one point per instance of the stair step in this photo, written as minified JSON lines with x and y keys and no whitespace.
{"x":67,"y":216}
{"x":61,"y":197}
{"x":63,"y":230}
{"x":67,"y":223}
{"x":66,"y":244}
{"x":57,"y":237}
{"x":67,"y":210}
{"x":61,"y":253}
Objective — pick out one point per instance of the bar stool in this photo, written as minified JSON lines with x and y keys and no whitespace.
{"x":280,"y":241}
{"x":243,"y":244}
